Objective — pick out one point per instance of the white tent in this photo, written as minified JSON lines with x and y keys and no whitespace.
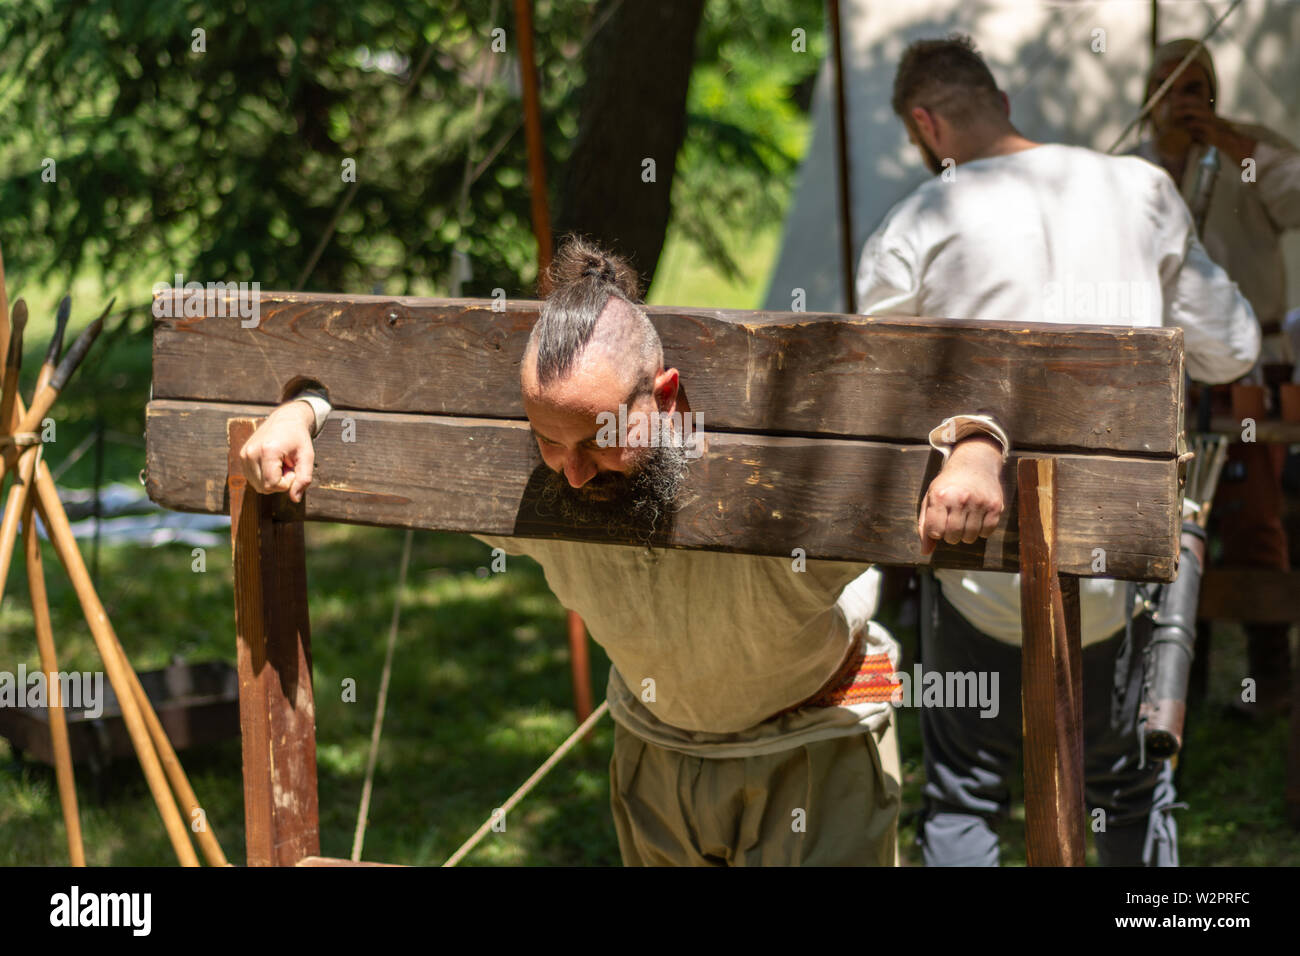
{"x":1063,"y":88}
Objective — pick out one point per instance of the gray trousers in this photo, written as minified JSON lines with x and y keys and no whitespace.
{"x":968,"y":758}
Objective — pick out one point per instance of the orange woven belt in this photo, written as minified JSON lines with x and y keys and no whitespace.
{"x":865,"y":679}
{"x":862,"y":679}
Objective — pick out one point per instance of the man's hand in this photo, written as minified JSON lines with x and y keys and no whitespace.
{"x":1206,"y":126}
{"x":279,"y":455}
{"x":964,"y":502}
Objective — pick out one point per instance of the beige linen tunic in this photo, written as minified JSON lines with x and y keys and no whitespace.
{"x":707,"y":647}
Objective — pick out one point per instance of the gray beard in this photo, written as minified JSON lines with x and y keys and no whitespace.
{"x":631,"y":506}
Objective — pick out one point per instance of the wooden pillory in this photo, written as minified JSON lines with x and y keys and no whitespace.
{"x":817,"y":439}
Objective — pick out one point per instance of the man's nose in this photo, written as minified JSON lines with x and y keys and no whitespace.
{"x":578,"y":469}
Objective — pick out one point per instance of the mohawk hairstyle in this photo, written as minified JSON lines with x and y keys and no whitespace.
{"x":582,"y":279}
{"x":947,"y":76}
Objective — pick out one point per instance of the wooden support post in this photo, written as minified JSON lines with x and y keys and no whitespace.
{"x":1051,"y":679}
{"x":277,"y":711}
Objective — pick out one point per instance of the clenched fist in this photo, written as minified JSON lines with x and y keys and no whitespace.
{"x":279,"y":455}
{"x":964,"y":502}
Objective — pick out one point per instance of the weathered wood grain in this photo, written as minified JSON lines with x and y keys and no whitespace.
{"x":277,"y":711}
{"x":1055,"y":387}
{"x":837,"y":499}
{"x":1051,"y":683}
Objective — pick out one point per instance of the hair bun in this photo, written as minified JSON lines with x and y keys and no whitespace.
{"x":600,"y":268}
{"x":579,"y":260}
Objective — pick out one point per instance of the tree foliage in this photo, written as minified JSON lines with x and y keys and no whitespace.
{"x":221,"y":154}
{"x":746,"y":121}
{"x":229,"y":163}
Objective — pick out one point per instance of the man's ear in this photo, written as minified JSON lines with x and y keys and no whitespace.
{"x":666,"y":386}
{"x":923,"y":123}
{"x":1006,"y":104}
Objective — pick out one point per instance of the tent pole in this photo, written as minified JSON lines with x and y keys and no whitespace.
{"x":842,"y":160}
{"x":533,"y":131}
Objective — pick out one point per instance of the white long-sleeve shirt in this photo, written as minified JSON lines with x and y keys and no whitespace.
{"x":1056,"y":234}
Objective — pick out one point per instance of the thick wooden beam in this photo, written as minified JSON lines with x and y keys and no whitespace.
{"x":1055,"y":387}
{"x":1051,"y":678}
{"x":277,"y":710}
{"x":836,"y":499}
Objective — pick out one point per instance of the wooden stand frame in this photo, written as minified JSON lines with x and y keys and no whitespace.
{"x":816,"y":437}
{"x":1051,"y":679}
{"x":277,"y":710}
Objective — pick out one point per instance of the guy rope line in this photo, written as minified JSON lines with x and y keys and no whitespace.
{"x":363,"y":810}
{"x":527,"y":785}
{"x":380,"y":705}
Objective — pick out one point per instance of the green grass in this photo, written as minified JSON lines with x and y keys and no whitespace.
{"x":479,"y":697}
{"x":684,"y":277}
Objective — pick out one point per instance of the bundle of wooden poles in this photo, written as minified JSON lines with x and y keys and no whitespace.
{"x":1211,"y":453}
{"x":33,"y":493}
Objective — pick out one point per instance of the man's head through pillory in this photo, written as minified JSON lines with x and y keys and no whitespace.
{"x":948,"y":100}
{"x":598,"y":396}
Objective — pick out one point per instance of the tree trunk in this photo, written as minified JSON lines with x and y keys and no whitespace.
{"x":638,"y":71}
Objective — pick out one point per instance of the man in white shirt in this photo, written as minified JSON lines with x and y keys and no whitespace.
{"x":1016,"y":230}
{"x":744,"y":733}
{"x":1255,"y":199}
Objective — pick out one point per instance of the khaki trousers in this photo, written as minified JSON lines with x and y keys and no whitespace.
{"x":833,"y":803}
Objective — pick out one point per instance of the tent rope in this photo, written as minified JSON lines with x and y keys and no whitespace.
{"x":363,"y":812}
{"x":527,"y":785}
{"x":363,"y":809}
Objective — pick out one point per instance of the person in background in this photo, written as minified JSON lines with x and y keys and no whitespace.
{"x":1253,"y":200}
{"x":1018,"y":230}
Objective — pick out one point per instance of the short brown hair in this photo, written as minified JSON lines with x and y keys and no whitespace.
{"x":947,"y":76}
